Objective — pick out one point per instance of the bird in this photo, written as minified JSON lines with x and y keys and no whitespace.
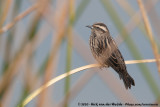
{"x":106,"y":52}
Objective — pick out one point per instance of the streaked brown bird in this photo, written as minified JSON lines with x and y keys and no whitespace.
{"x":106,"y":52}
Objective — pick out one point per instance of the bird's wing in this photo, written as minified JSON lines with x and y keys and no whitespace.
{"x":115,"y":58}
{"x":116,"y":61}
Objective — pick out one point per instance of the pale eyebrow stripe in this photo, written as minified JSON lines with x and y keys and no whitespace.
{"x":101,"y":27}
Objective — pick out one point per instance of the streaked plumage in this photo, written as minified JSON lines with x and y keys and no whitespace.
{"x":106,"y":52}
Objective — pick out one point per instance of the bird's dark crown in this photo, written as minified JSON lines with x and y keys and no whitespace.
{"x":100,"y":26}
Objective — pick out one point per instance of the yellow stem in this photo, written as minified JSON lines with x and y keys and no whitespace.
{"x":54,"y":80}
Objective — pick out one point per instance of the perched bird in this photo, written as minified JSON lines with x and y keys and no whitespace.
{"x":106,"y":52}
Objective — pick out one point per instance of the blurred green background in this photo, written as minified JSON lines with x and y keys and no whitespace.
{"x":42,"y":39}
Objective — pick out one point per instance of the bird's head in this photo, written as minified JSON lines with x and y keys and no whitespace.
{"x":99,"y":28}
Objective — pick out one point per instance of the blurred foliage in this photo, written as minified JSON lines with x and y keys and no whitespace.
{"x":9,"y":75}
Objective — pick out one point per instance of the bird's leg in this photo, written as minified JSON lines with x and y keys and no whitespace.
{"x":103,"y":66}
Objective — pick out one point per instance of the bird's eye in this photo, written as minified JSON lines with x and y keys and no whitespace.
{"x":97,"y":27}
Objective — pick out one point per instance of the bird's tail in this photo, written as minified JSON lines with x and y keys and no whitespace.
{"x":128,"y":80}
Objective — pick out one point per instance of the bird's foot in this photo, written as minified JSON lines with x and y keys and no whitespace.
{"x":103,"y":66}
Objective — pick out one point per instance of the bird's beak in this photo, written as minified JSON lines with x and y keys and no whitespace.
{"x":89,"y":26}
